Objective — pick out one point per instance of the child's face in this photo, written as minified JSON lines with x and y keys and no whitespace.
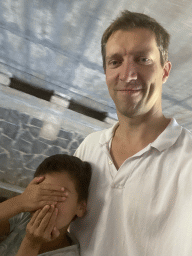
{"x":69,"y":208}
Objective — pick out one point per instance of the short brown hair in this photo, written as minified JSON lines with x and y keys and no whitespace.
{"x":130,"y":20}
{"x":79,"y":171}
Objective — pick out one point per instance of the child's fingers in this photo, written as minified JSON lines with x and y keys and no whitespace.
{"x":33,"y":218}
{"x":52,"y":188}
{"x":37,"y":180}
{"x":52,"y":199}
{"x":47,"y":195}
{"x":43,"y":212}
{"x":44,"y":219}
{"x":52,"y":222}
{"x":52,"y":193}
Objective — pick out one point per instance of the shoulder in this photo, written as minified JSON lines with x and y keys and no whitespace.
{"x":93,"y":137}
{"x":90,"y":143}
{"x":185,"y":138}
{"x":20,"y":220}
{"x":101,"y":137}
{"x":13,"y":241}
{"x":174,"y":137}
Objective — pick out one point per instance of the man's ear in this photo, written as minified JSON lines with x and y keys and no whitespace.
{"x":166,"y":71}
{"x":82,"y":208}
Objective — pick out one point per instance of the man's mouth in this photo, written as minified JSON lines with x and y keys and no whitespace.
{"x":130,"y":90}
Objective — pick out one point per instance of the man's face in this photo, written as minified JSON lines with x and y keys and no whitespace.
{"x":68,"y":209}
{"x":134,"y":74}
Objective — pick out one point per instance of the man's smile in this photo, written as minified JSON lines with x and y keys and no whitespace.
{"x":130,"y":91}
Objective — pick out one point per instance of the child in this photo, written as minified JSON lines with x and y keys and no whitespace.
{"x":56,"y":196}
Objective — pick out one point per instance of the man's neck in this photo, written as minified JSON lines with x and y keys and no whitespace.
{"x":131,"y":136}
{"x":144,"y":128}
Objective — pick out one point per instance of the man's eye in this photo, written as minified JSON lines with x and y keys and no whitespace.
{"x":113,"y":63}
{"x":144,"y":60}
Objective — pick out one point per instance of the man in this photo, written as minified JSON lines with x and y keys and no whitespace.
{"x":141,"y":195}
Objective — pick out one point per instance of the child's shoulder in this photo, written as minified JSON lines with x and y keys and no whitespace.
{"x":10,"y":245}
{"x":19,"y":220}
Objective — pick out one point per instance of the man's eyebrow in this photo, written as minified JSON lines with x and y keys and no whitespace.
{"x":139,"y":52}
{"x":143,"y":52}
{"x":115,"y":55}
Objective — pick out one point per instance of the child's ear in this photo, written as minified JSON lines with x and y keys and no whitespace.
{"x":82,"y":208}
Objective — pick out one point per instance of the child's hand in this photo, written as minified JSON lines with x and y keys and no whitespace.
{"x":38,"y":194}
{"x":41,"y":227}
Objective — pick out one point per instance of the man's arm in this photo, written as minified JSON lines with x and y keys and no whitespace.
{"x":35,"y":196}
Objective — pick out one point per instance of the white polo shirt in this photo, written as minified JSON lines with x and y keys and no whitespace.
{"x":144,"y":208}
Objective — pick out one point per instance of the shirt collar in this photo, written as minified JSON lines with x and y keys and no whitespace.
{"x":165,"y":140}
{"x":108,"y":134}
{"x":168,"y":137}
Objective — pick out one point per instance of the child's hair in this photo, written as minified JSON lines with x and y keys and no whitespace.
{"x":78,"y":170}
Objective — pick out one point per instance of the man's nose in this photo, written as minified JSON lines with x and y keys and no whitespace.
{"x":128,"y":72}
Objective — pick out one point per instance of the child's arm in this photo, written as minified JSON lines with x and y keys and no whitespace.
{"x":8,"y":209}
{"x":40,"y":229}
{"x":35,"y":196}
